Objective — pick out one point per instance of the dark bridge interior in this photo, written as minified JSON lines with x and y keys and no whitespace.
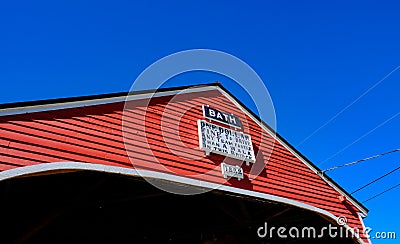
{"x":94,"y":207}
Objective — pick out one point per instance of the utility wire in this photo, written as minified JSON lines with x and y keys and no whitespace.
{"x":381,"y":193}
{"x":360,"y":138}
{"x":348,"y":106}
{"x":360,"y":160}
{"x":377,"y":179}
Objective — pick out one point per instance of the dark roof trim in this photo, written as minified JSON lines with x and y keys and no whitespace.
{"x":121,"y":94}
{"x":100,"y":96}
{"x":291,"y":147}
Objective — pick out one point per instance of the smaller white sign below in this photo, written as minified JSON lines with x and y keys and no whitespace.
{"x":231,"y":171}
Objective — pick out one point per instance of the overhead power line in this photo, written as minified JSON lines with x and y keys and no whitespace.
{"x":361,"y":160}
{"x":377,"y":179}
{"x":381,"y":193}
{"x":360,"y":138}
{"x":348,"y":106}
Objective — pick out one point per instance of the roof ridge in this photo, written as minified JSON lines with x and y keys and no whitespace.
{"x":177,"y":88}
{"x":99,"y":96}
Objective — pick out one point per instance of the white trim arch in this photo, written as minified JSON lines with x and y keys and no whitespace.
{"x":70,"y":166}
{"x":149,"y":94}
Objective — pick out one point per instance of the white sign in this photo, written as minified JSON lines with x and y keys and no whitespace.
{"x":224,"y":141}
{"x":231,"y":171}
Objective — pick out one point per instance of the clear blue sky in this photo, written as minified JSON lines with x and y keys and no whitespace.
{"x":315,"y":57}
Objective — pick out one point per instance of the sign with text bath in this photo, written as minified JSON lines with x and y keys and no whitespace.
{"x":222,"y":117}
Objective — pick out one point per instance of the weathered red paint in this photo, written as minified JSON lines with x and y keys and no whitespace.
{"x":93,"y":134}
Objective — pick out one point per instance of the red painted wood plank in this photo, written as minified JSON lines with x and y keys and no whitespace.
{"x":94,"y":134}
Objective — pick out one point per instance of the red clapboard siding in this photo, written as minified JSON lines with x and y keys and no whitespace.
{"x":162,"y":133}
